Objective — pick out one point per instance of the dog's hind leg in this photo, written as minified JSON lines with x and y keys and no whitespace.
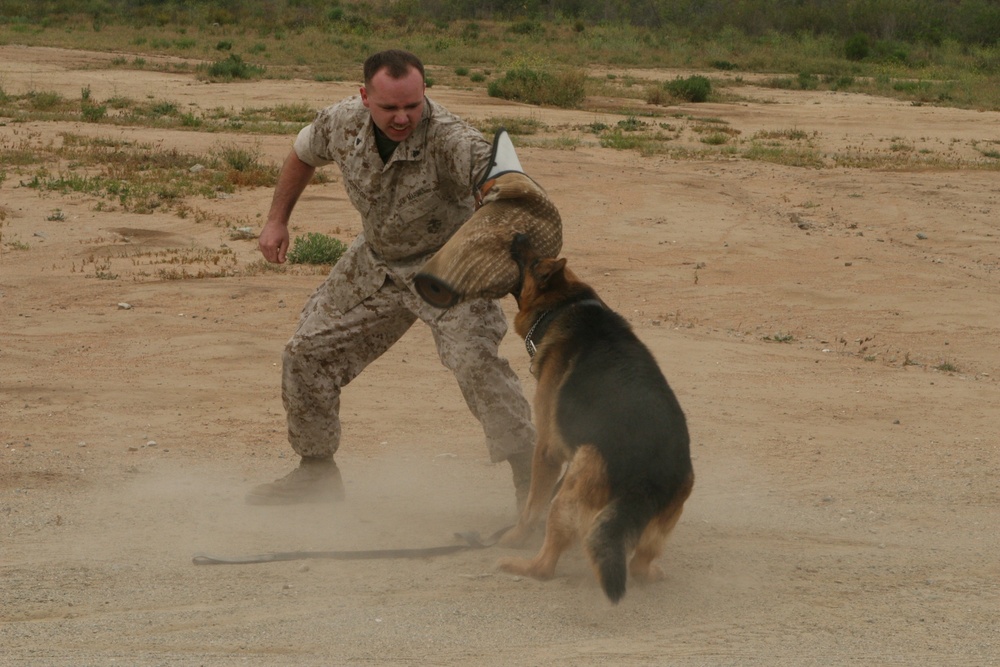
{"x":583,"y":492}
{"x":560,"y":532}
{"x":654,"y":536}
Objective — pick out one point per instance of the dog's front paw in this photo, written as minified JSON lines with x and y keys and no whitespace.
{"x":514,"y":565}
{"x":537,"y":568}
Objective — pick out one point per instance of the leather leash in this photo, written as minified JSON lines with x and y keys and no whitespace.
{"x":471,"y":538}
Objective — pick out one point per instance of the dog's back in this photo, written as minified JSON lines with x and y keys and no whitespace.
{"x":616,"y":398}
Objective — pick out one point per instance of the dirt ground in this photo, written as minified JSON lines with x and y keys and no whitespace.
{"x":831,"y":333}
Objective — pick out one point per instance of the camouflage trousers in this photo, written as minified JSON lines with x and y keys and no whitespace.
{"x":330,"y":348}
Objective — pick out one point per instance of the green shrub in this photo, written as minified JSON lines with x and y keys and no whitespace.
{"x":715,"y":138}
{"x":889,"y":51}
{"x":234,"y":67}
{"x":524,"y":83}
{"x":630,"y":124}
{"x":693,"y":89}
{"x":857,"y":47}
{"x":470,"y":33}
{"x":316,"y":248}
{"x":240,"y":158}
{"x":526,"y":27}
{"x":163,"y":108}
{"x":808,"y":81}
{"x":724,"y":65}
{"x":841,"y":82}
{"x":93,"y":113}
{"x":44,"y":100}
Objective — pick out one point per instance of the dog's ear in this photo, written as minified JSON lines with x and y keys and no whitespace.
{"x":549,"y":270}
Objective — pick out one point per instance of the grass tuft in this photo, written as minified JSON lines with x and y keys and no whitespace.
{"x":316,"y":248}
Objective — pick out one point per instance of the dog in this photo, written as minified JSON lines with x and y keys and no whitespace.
{"x":602,"y":406}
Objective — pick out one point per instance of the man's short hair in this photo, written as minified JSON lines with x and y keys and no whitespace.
{"x":396,"y":62}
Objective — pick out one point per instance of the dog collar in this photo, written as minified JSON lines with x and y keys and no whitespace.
{"x":537,"y":329}
{"x":529,"y":343}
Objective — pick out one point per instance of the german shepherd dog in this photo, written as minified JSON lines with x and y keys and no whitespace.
{"x":603,"y":406}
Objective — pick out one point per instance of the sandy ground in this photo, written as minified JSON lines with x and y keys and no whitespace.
{"x":831,"y":333}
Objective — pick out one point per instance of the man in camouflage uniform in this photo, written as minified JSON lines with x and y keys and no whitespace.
{"x":409,"y":167}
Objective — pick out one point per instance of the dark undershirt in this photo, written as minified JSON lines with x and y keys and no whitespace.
{"x":384,"y":144}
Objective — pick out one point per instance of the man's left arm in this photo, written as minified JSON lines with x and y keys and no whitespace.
{"x":466,"y":157}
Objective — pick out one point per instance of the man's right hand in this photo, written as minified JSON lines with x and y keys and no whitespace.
{"x":273,"y":242}
{"x":292,"y":180}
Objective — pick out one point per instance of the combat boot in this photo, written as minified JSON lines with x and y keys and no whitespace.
{"x":313,"y":481}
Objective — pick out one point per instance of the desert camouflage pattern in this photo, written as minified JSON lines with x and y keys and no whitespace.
{"x":410,"y":206}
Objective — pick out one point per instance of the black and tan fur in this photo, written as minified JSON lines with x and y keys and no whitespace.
{"x":603,"y":406}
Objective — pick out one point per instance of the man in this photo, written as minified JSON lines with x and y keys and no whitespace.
{"x":409,"y":167}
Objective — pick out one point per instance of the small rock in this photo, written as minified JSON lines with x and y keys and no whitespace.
{"x":124,"y":306}
{"x":151,"y":443}
{"x":197,"y":168}
{"x":243,"y":234}
{"x":921,"y":236}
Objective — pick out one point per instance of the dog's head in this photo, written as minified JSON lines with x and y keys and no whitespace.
{"x":534,"y":272}
{"x":543,"y":283}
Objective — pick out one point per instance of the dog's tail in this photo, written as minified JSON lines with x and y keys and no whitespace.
{"x":615,"y":532}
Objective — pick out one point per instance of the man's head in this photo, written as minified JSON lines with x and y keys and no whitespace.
{"x":394,"y":92}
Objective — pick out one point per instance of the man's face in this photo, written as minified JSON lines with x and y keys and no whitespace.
{"x":396,"y":105}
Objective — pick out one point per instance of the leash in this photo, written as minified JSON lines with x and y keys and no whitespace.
{"x":471,"y":538}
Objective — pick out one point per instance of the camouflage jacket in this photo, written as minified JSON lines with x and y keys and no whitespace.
{"x":410,"y":205}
